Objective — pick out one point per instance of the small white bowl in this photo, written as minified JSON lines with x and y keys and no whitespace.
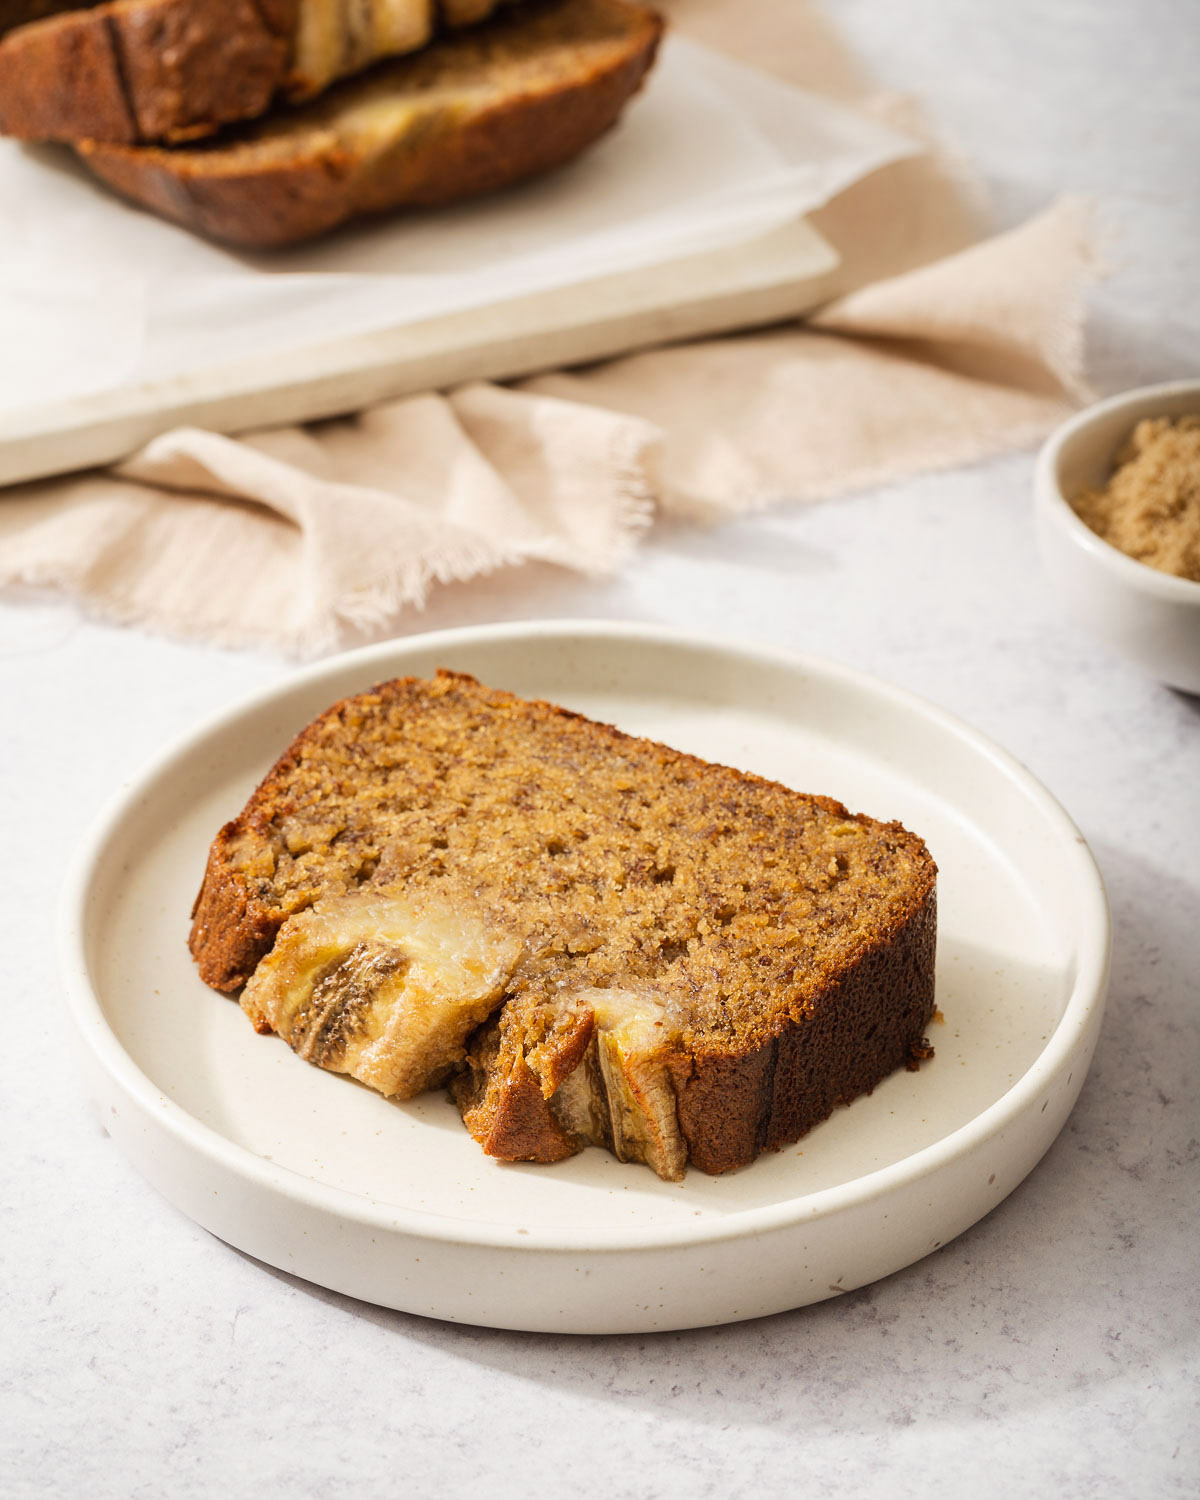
{"x":1150,"y":618}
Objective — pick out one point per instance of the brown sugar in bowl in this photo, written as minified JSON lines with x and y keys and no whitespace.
{"x":1149,"y":617}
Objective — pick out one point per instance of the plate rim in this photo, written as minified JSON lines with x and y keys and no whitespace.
{"x":1082,"y":1011}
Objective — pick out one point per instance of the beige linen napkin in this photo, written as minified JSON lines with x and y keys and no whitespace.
{"x":977,"y":353}
{"x":287,"y":538}
{"x":943,"y":349}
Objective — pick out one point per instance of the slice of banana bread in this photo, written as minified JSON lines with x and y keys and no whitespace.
{"x":473,"y":113}
{"x":597,"y":938}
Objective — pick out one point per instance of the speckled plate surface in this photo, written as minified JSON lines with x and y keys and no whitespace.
{"x":394,"y":1203}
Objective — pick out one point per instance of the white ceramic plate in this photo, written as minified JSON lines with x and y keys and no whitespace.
{"x":394,"y":1203}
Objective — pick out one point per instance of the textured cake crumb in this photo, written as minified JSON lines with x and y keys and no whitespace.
{"x":596,"y":939}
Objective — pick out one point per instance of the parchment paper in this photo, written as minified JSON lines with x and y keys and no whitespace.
{"x":95,"y":293}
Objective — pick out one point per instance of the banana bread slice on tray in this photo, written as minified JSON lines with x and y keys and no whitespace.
{"x":593,"y":938}
{"x":153,"y":70}
{"x":474,"y":112}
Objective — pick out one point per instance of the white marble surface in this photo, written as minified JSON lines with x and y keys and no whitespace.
{"x":1054,"y":1347}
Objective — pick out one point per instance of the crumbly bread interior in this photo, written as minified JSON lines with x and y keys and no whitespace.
{"x":618,"y":861}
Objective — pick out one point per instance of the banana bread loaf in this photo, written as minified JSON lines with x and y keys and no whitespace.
{"x":154,"y":70}
{"x":474,"y":112}
{"x":594,"y":938}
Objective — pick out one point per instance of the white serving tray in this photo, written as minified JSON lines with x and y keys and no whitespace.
{"x":395,"y":1203}
{"x":777,"y":276}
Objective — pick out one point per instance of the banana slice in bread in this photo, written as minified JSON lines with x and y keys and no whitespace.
{"x":336,"y":38}
{"x":381,"y":987}
{"x":604,"y":941}
{"x":604,"y":1080}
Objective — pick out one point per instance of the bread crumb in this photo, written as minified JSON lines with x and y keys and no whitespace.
{"x":1150,"y":508}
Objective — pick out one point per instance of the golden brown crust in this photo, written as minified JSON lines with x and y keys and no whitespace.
{"x":244,"y":195}
{"x":506,"y":1105}
{"x":870,"y":1021}
{"x":231,"y":928}
{"x":133,"y":70}
{"x":60,"y":79}
{"x":510,"y":1116}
